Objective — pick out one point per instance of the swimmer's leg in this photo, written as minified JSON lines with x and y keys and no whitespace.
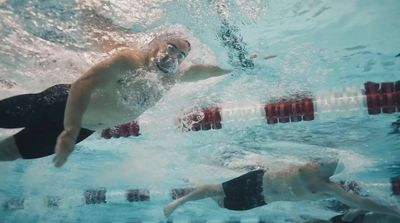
{"x":8,"y":149}
{"x":219,"y":200}
{"x":42,"y":116}
{"x":201,"y":192}
{"x":17,"y":112}
{"x":39,"y":142}
{"x":20,"y":111}
{"x":28,"y":110}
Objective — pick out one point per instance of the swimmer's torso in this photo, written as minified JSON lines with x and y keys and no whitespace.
{"x":290,"y":186}
{"x":123,"y":100}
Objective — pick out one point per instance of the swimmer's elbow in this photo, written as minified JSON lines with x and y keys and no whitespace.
{"x":87,"y":81}
{"x":81,"y":87}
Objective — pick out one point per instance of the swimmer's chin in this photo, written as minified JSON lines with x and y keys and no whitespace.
{"x":167,"y":70}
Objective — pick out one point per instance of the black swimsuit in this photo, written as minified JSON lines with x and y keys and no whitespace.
{"x":338,"y":219}
{"x":42,"y":117}
{"x":244,"y":192}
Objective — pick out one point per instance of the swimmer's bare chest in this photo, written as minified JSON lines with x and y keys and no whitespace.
{"x":118,"y":103}
{"x":104,"y":111}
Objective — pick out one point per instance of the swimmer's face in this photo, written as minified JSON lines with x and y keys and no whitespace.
{"x":172,"y":53}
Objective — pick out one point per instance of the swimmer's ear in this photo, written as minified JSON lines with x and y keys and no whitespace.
{"x":328,"y":167}
{"x":339,"y":167}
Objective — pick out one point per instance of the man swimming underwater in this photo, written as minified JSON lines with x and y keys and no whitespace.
{"x":309,"y":181}
{"x":116,"y":90}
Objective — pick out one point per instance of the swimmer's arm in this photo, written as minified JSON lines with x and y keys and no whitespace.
{"x":201,"y":72}
{"x":360,"y":202}
{"x":102,"y":32}
{"x":98,"y":76}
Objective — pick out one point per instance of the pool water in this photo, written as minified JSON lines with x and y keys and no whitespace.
{"x":318,"y":46}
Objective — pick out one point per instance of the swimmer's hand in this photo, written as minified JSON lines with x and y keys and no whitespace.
{"x":201,"y":72}
{"x":64,"y":147}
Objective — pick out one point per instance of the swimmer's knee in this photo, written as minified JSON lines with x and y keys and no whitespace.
{"x":219,"y":200}
{"x":207,"y":187}
{"x":212,"y":189}
{"x":9,"y":150}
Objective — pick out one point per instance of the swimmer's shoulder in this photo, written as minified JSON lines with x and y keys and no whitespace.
{"x":135,"y":57}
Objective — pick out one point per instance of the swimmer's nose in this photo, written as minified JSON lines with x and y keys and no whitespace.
{"x":174,"y":56}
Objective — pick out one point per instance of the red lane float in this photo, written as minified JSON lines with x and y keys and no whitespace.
{"x":374,"y":97}
{"x":124,"y":130}
{"x":204,"y":119}
{"x":383,"y":97}
{"x":292,"y":110}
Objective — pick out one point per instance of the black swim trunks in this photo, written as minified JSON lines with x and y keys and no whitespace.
{"x":42,"y":117}
{"x":338,"y":219}
{"x":244,"y":192}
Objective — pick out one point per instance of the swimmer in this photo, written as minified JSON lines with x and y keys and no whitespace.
{"x":113,"y":91}
{"x":359,"y":216}
{"x":296,"y":183}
